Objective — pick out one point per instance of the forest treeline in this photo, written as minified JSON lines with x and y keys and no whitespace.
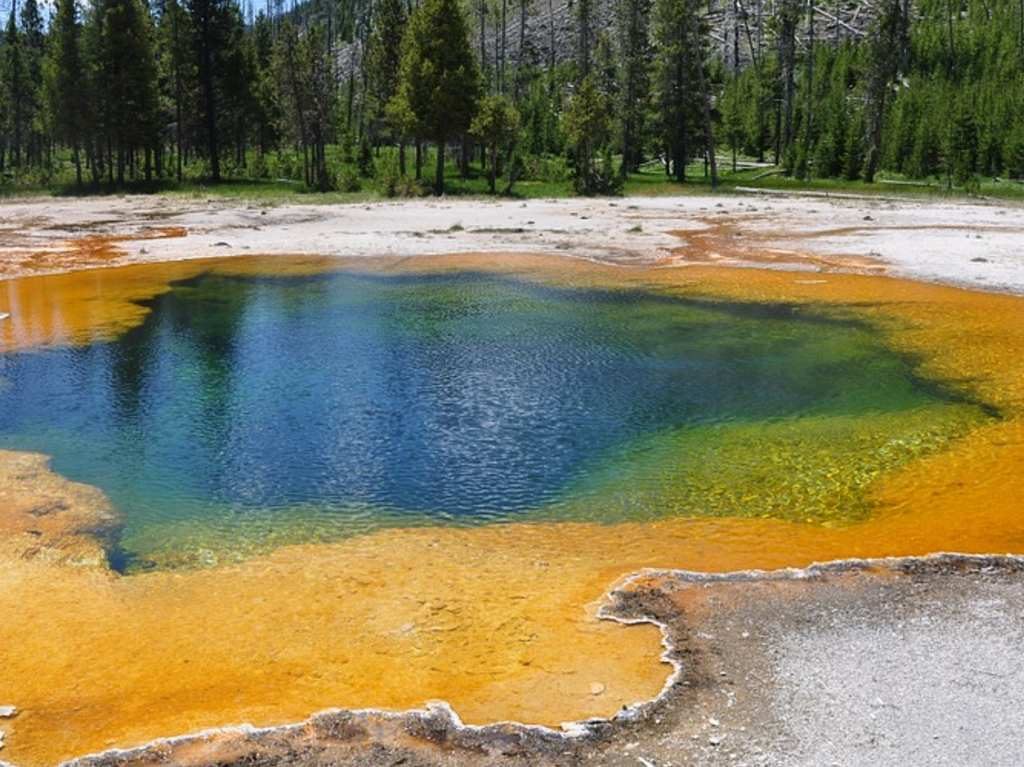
{"x":341,"y":94}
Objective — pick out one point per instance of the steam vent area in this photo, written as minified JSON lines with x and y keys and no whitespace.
{"x":635,"y":480}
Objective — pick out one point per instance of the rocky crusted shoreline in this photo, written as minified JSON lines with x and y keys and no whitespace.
{"x":748,"y":689}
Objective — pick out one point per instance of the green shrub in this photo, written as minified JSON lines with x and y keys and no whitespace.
{"x":547,"y":168}
{"x":259,"y":168}
{"x":348,"y":180}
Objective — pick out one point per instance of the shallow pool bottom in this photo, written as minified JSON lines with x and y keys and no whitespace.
{"x":248,"y":412}
{"x":477,"y":615}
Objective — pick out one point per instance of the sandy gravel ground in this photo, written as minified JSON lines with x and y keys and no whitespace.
{"x":896,"y":662}
{"x":979,"y":245}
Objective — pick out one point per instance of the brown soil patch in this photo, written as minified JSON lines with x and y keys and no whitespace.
{"x":726,"y":241}
{"x":729,"y":240}
{"x":83,"y":252}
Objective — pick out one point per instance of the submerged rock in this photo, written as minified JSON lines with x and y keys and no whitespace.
{"x":45,"y":516}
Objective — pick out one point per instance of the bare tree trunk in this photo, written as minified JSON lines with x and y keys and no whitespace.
{"x":709,"y":134}
{"x":178,"y":96}
{"x":809,"y":118}
{"x":522,"y":49}
{"x":206,"y":82}
{"x":492,"y":173}
{"x":551,"y":34}
{"x":482,"y":9}
{"x":439,"y":170}
{"x":787,"y":65}
{"x":350,"y":98}
{"x":735,"y":36}
{"x":886,"y":55}
{"x":504,"y":48}
{"x":778,"y":134}
{"x":583,"y":53}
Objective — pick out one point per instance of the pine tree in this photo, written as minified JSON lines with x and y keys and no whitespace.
{"x":732,"y":106}
{"x":632,"y":21}
{"x":306,"y":87}
{"x":211,"y":25}
{"x":32,"y":60}
{"x":322,"y":91}
{"x":924,"y":154}
{"x":886,"y":53}
{"x":126,"y":80}
{"x":439,"y":77}
{"x":853,"y":148}
{"x":383,"y":61}
{"x":682,"y":92}
{"x":291,"y":87}
{"x":268,"y":113}
{"x":1014,"y":151}
{"x":588,"y":127}
{"x":497,"y":127}
{"x":67,"y":84}
{"x":15,"y":88}
{"x":175,"y":43}
{"x":962,"y":145}
{"x":237,"y":76}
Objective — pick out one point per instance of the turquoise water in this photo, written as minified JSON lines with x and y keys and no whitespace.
{"x":247,"y":412}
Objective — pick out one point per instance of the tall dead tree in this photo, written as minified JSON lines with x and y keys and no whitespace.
{"x":504,"y":45}
{"x":585,"y":41}
{"x":697,"y":34}
{"x":524,"y":8}
{"x":481,"y":12}
{"x":733,"y":36}
{"x":551,"y":35}
{"x":788,"y":17}
{"x":886,"y":44}
{"x":809,"y":87}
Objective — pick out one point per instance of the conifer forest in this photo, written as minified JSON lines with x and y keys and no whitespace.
{"x":401,"y":97}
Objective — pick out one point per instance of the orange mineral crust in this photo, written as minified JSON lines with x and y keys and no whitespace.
{"x":500,"y":621}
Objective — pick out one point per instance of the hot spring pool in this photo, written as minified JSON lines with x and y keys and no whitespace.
{"x":245,"y":412}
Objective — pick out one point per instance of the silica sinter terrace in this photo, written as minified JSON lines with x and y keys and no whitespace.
{"x":247,"y":412}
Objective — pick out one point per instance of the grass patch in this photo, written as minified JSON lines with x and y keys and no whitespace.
{"x":651,"y":181}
